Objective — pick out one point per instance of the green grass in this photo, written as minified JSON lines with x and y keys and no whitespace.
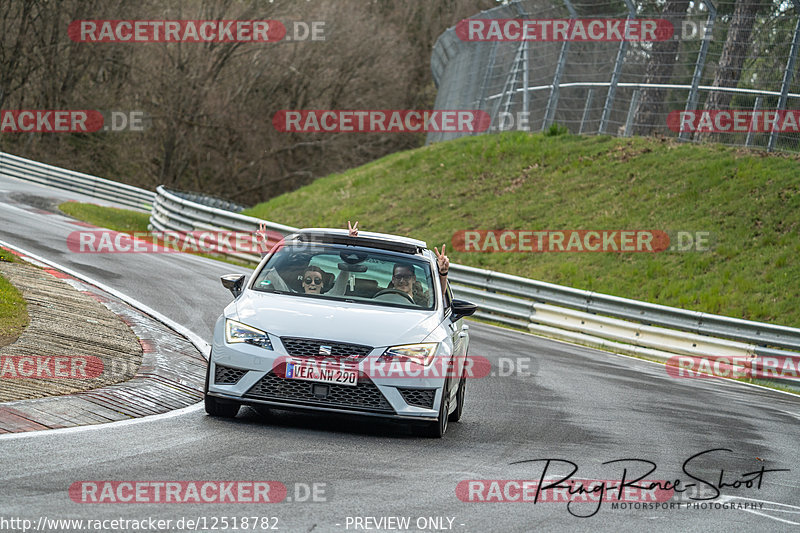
{"x":13,"y":309}
{"x":749,"y":200}
{"x":107,"y":217}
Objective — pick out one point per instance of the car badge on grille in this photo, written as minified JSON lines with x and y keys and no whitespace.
{"x":324,"y":350}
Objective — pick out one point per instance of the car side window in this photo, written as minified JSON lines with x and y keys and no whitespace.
{"x":448,"y":297}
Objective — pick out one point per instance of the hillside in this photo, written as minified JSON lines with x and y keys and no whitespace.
{"x":748,"y":201}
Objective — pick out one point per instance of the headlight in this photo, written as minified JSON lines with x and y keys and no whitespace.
{"x":238,"y":332}
{"x":421,"y":354}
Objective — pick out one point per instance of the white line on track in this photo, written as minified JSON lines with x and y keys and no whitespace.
{"x":725,"y":499}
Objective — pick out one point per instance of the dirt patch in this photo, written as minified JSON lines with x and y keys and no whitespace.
{"x":39,"y":202}
{"x":5,"y":340}
{"x":73,"y":342}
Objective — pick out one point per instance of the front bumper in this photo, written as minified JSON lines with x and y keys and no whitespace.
{"x":326,"y":409}
{"x":253,"y":375}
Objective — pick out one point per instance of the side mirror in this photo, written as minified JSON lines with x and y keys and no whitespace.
{"x":462,"y":308}
{"x":233,"y":282}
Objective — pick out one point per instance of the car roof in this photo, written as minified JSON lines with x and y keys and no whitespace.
{"x":367,"y":239}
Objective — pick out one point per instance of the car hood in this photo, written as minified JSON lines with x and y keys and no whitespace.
{"x":297,"y":316}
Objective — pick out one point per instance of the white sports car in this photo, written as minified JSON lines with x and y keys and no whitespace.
{"x":336,"y":323}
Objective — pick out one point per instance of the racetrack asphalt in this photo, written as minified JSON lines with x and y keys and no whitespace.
{"x":572,"y":404}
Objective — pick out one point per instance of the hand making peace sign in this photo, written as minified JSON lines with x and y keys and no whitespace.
{"x":352,"y":229}
{"x":442,"y":260}
{"x":261,"y":236}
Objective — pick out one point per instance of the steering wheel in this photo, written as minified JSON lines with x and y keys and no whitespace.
{"x":395,"y":291}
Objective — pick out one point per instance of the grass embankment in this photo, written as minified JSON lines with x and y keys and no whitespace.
{"x":749,"y":201}
{"x":13,"y":309}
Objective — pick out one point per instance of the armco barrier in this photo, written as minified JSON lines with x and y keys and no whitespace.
{"x":511,"y":289}
{"x":172,"y":212}
{"x":60,"y":178}
{"x":584,"y":317}
{"x":603,"y":321}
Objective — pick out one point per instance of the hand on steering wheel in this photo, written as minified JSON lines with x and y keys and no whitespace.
{"x":395,"y":291}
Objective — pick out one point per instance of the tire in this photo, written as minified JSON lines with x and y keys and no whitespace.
{"x":437,"y":429}
{"x":222,"y":409}
{"x":262,"y":410}
{"x":455,"y":416}
{"x":215,"y":407}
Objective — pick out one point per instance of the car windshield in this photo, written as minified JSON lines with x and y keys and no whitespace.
{"x":348,"y":273}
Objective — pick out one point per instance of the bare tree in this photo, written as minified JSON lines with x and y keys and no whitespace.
{"x":211,"y":104}
{"x":16,"y":21}
{"x":660,"y":66}
{"x":735,"y":51}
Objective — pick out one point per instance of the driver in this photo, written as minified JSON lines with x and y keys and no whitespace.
{"x":404,"y":279}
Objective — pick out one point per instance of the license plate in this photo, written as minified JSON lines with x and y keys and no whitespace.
{"x":321,"y":372}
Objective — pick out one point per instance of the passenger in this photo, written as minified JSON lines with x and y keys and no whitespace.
{"x":313,"y":280}
{"x":262,"y":239}
{"x":406,"y":279}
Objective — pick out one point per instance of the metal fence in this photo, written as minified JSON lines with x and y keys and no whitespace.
{"x":734,"y":59}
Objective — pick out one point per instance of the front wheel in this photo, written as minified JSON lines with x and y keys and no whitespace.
{"x":455,"y":416}
{"x":216,"y":407}
{"x":437,"y":429}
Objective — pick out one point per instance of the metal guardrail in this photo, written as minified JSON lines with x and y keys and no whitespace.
{"x":210,"y":201}
{"x":603,"y":321}
{"x":172,"y":212}
{"x":529,"y":304}
{"x":60,"y":178}
{"x":498,"y":285}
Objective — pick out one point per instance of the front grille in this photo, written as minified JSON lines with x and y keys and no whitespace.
{"x":363,"y":397}
{"x":418,"y":397}
{"x":224,"y":375}
{"x":311,"y":348}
